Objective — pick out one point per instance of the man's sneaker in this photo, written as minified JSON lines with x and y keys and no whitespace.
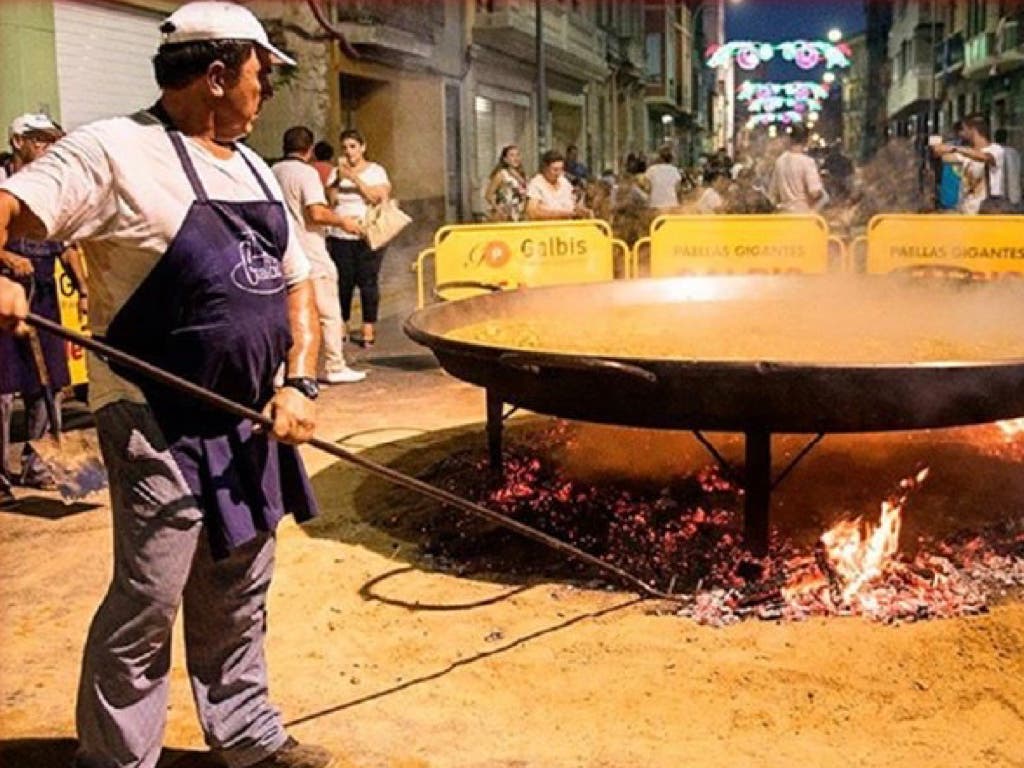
{"x":344,"y":376}
{"x":295,"y":755}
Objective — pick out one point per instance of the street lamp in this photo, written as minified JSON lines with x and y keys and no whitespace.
{"x":666,"y":128}
{"x":835,"y":35}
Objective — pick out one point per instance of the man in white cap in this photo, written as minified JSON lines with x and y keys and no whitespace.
{"x":30,"y":135}
{"x":33,"y":262}
{"x":195,"y":267}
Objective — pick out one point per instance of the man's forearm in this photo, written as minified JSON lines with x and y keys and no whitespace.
{"x":305,"y":328}
{"x":976,"y":154}
{"x":322,"y":216}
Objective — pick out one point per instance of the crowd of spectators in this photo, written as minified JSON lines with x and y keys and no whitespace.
{"x":974,"y":171}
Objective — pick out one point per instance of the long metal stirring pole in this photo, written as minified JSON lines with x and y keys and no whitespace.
{"x":398,"y":478}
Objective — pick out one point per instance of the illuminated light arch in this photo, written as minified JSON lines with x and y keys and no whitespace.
{"x":806,"y":54}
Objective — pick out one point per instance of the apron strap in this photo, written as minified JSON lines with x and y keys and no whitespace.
{"x":187,"y":166}
{"x":158,"y":111}
{"x":259,"y":178}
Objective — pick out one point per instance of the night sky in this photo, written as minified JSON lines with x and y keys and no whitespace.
{"x":773,"y":21}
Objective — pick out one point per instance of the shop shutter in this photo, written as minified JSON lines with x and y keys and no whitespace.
{"x":104,"y":60}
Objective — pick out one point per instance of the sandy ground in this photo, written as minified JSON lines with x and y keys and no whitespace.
{"x":395,"y":665}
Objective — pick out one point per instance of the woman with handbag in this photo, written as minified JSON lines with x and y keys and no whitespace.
{"x":354,"y":186}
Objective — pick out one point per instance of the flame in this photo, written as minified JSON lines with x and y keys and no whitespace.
{"x":858,"y":553}
{"x":1011,"y":428}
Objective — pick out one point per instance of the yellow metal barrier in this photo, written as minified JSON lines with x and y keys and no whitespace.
{"x":474,"y":258}
{"x":988,"y":247}
{"x":739,"y":245}
{"x":69,"y":318}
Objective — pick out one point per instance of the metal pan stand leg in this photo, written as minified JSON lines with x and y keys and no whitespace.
{"x":757,"y":503}
{"x":494,"y":430}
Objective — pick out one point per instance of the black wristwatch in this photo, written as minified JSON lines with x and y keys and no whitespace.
{"x":305,"y":385}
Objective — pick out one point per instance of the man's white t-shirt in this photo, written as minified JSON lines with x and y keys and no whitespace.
{"x":300,"y":184}
{"x":557,"y":197}
{"x":664,"y":179}
{"x":350,"y":202}
{"x":1012,"y":178}
{"x":794,"y":181}
{"x":117,"y":188}
{"x":996,"y":171}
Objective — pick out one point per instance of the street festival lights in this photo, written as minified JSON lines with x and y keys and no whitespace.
{"x":771,"y":105}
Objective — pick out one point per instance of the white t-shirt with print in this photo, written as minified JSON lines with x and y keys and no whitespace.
{"x":972,"y":185}
{"x":118,"y":189}
{"x":664,"y":179}
{"x":554,"y":198}
{"x":350,"y":202}
{"x":300,"y":184}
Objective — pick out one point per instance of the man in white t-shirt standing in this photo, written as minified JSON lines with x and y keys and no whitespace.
{"x":984,"y":166}
{"x":306,"y":201}
{"x":664,"y":179}
{"x":549,"y":195}
{"x":194,"y":267}
{"x":795,"y":185}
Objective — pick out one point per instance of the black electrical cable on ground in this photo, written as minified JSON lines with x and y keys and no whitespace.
{"x":391,"y":475}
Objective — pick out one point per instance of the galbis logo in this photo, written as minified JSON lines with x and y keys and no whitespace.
{"x":497,"y":254}
{"x":553,"y":247}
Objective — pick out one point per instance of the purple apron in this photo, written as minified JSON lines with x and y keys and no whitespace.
{"x":17,"y":369}
{"x":213,"y":310}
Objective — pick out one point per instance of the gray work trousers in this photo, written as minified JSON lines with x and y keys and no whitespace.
{"x":37,"y":423}
{"x":162,"y":560}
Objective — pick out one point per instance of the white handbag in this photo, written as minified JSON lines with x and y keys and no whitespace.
{"x":383,"y":222}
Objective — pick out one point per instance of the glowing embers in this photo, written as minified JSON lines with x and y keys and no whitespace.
{"x":685,"y":538}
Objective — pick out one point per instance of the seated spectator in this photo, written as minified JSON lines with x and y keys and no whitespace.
{"x":712,"y":200}
{"x":630,"y":216}
{"x":549,"y":195}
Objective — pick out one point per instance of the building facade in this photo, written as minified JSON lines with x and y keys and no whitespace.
{"x":912,"y":87}
{"x":855,"y":88}
{"x":951,"y":59}
{"x":437,"y":87}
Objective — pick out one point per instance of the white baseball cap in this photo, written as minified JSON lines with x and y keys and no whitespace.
{"x":32,"y":123}
{"x":218,"y":20}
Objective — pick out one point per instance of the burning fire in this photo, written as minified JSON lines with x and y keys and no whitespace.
{"x":683,"y":539}
{"x":854,"y":554}
{"x":1011,"y":428}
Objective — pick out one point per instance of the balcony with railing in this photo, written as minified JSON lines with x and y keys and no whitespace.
{"x":573,"y":44}
{"x":408,"y":28}
{"x":915,"y":86}
{"x":949,"y":55}
{"x":1009,"y":41}
{"x":979,"y":53}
